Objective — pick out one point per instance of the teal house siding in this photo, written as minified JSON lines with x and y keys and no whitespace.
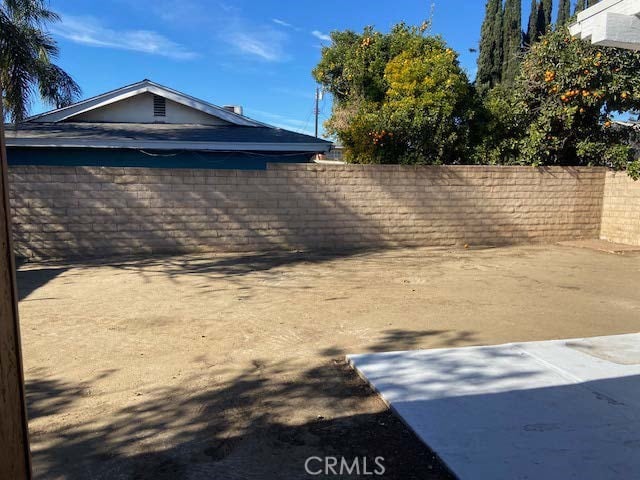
{"x":90,"y":157}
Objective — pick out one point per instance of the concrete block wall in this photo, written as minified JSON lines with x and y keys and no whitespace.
{"x":621,"y":209}
{"x":100,"y":211}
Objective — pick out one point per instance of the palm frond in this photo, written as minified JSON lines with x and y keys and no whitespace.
{"x":56,"y":86}
{"x":30,"y":11}
{"x":26,"y":53}
{"x":16,"y":61}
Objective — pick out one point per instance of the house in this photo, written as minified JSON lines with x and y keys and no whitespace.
{"x":149,"y":125}
{"x":334,"y":156}
{"x":610,"y":23}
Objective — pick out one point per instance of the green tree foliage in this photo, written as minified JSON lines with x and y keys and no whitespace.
{"x":512,"y":40}
{"x":26,"y":53}
{"x":490,"y":58}
{"x":547,"y":8}
{"x":560,"y":109}
{"x":564,"y":12}
{"x":504,"y":122}
{"x":539,"y":20}
{"x":532,"y":31}
{"x":582,"y":4}
{"x":398,"y":98}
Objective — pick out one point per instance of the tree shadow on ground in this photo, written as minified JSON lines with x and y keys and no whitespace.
{"x":229,"y":265}
{"x":244,"y":428}
{"x":30,"y":280}
{"x":49,"y":396}
{"x":233,"y":266}
{"x":396,"y":339}
{"x":262,"y":422}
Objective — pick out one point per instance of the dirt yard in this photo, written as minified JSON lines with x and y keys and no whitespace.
{"x":232,"y":367}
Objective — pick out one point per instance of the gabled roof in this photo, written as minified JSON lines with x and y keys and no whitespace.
{"x":145,"y":86}
{"x":69,"y":128}
{"x":162,"y":137}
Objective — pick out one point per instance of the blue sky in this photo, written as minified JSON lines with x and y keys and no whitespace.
{"x":254,"y":53}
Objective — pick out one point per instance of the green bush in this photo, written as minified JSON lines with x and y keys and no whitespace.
{"x":398,"y":98}
{"x":560,"y":110}
{"x":402,"y":97}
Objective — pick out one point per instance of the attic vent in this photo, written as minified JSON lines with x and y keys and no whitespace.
{"x":159,"y":106}
{"x":234,"y":108}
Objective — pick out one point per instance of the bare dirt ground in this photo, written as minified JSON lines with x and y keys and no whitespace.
{"x":232,"y":366}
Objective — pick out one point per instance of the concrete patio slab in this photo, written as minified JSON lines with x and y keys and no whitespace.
{"x":558,"y":409}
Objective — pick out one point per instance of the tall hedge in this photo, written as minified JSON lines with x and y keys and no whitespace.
{"x":512,"y":40}
{"x":491,"y":47}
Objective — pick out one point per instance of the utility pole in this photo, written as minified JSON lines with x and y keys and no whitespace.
{"x":316,"y":110}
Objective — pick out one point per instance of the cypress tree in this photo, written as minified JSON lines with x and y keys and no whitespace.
{"x":580,"y":6}
{"x":547,"y":7}
{"x":564,"y":12}
{"x":498,"y":42}
{"x":591,"y":3}
{"x":490,"y":56}
{"x":531,"y":36}
{"x":512,"y":40}
{"x":541,"y":21}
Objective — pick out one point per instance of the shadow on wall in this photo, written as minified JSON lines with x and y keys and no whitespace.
{"x":237,"y":429}
{"x":102,"y":212}
{"x":92,"y":211}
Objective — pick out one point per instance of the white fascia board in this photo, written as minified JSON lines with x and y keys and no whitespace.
{"x":625,"y":7}
{"x":604,"y":19}
{"x":146,"y":86}
{"x":93,"y":105}
{"x":55,"y":115}
{"x":617,"y":30}
{"x":169,"y":145}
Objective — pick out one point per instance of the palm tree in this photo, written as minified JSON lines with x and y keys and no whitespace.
{"x":26,"y":54}
{"x":26,"y":51}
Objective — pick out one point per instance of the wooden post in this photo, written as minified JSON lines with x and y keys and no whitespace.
{"x":15,"y":459}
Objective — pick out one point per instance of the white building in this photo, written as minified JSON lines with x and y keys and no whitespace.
{"x":610,"y":23}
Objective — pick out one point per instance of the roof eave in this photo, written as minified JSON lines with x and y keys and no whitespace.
{"x":312,"y":147}
{"x":146,"y":86}
{"x":610,"y":23}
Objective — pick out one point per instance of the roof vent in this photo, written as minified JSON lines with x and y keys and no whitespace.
{"x":159,"y":106}
{"x":234,"y":108}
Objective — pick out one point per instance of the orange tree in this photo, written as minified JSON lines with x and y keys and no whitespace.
{"x":399,"y":97}
{"x":562,"y":107}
